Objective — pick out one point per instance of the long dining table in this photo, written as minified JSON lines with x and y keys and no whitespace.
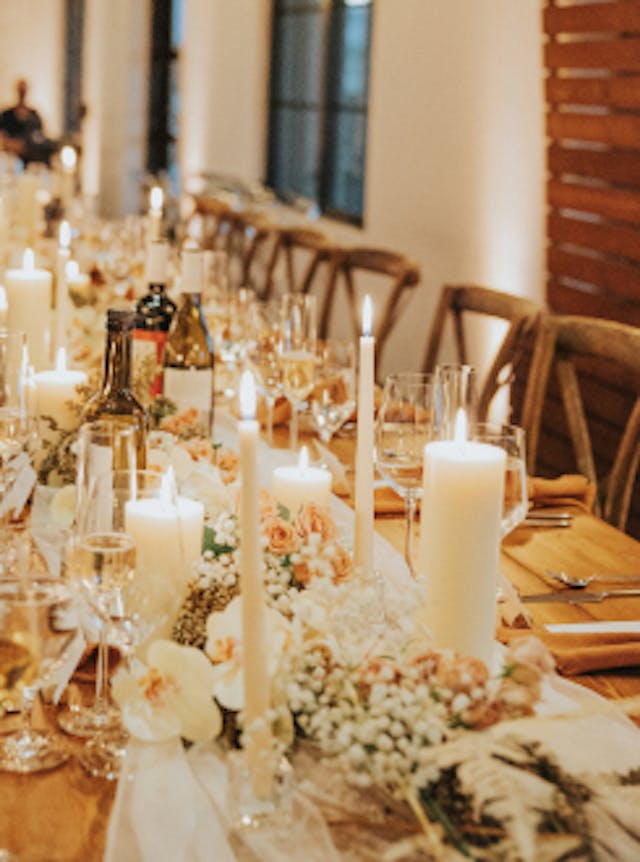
{"x":62,"y":815}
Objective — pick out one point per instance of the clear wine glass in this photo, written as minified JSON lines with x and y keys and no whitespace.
{"x":38,"y":626}
{"x":411,"y":415}
{"x":333,"y":398}
{"x":511,"y":438}
{"x":460,"y":390}
{"x":297,"y":353}
{"x":18,"y":435}
{"x":263,"y":355}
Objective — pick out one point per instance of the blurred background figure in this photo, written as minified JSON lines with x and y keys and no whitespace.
{"x":21,"y":130}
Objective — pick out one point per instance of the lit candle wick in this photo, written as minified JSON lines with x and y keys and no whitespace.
{"x":367,"y":315}
{"x":247,"y":396}
{"x":460,"y":427}
{"x":303,"y":461}
{"x":61,"y":360}
{"x":28,"y":260}
{"x":64,"y":234}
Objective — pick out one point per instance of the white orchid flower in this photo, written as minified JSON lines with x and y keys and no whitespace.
{"x":224,"y":648}
{"x":172,"y":696}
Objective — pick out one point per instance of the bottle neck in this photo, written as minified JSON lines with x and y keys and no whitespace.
{"x":156,"y":287}
{"x":117,"y":361}
{"x":190,"y":300}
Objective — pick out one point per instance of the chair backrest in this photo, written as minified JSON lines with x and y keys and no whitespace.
{"x":561,"y":343}
{"x":459,"y":300}
{"x":398,"y":271}
{"x":298,"y":253}
{"x":241,"y":233}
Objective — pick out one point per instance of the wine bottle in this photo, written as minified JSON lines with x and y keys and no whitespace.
{"x":188,"y":354}
{"x":114,"y":400}
{"x":154,"y":314}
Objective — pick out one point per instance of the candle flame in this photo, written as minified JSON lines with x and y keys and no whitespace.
{"x":64,"y":234}
{"x":4,"y":305}
{"x":461,"y":427}
{"x":303,"y":459}
{"x":71,"y":270}
{"x":156,"y":199}
{"x":68,"y":157}
{"x":367,"y":314}
{"x":28,"y":260}
{"x":61,"y":359}
{"x":247,"y":396}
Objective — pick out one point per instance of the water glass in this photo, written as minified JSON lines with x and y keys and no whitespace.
{"x":333,"y":398}
{"x":511,"y":438}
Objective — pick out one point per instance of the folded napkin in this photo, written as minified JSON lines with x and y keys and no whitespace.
{"x":584,"y":651}
{"x":569,"y":489}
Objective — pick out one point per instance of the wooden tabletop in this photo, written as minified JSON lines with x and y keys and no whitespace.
{"x":62,"y":816}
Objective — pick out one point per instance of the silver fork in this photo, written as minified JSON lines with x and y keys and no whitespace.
{"x":577,"y":583}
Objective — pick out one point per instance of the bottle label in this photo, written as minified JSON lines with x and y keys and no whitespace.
{"x":189,"y":387}
{"x":148,"y":353}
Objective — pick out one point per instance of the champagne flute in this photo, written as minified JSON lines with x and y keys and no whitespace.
{"x":410,"y":416}
{"x":38,"y":626}
{"x":263,"y":355}
{"x":297,"y":353}
{"x":333,"y":398}
{"x":511,"y":438}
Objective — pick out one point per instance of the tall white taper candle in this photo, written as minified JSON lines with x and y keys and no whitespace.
{"x":364,"y":513}
{"x":254,"y":653}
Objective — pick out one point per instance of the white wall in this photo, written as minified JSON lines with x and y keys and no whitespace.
{"x":32,"y":47}
{"x":224,"y":67}
{"x":455,"y":165}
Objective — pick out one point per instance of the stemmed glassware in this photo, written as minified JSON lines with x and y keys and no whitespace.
{"x":333,"y":398}
{"x":18,"y":429}
{"x":297,"y":353}
{"x":263,"y":355}
{"x":127,"y":556}
{"x":38,"y":627}
{"x":511,"y":438}
{"x":411,"y":415}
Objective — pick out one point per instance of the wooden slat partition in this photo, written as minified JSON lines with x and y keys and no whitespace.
{"x":592,"y":59}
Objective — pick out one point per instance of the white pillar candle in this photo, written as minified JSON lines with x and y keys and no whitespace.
{"x":29,"y":297}
{"x":156,"y":201}
{"x":460,"y":542}
{"x":168,"y":535}
{"x":62,"y":293}
{"x":297,"y":485}
{"x":68,"y":161}
{"x":364,"y":512}
{"x":57,"y":393}
{"x":254,"y":648}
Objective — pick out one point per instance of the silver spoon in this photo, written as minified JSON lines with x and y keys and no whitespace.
{"x":579,"y":583}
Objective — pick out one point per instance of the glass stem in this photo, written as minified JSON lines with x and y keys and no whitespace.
{"x":270,"y":403}
{"x":28,"y":697}
{"x":293,"y":426}
{"x":410,"y":512}
{"x":101,"y":704}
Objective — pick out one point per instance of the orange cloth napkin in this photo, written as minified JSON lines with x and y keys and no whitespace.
{"x":584,"y":652}
{"x":569,"y":489}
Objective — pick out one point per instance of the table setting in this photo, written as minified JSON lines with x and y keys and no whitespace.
{"x":280,"y":671}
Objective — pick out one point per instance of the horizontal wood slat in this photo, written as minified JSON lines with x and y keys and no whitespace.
{"x":610,"y":276}
{"x":592,"y":17}
{"x":618,"y":54}
{"x":610,"y":92}
{"x":613,"y":129}
{"x":616,"y":166}
{"x":571,"y":300}
{"x":596,"y":236}
{"x":610,"y":203}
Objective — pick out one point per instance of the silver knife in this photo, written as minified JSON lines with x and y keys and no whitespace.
{"x":578,"y":597}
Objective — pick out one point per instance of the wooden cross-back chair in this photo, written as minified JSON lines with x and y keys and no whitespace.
{"x":457,"y":301}
{"x":302,"y":251}
{"x":562,"y":342}
{"x":241,"y":233}
{"x":400,"y":273}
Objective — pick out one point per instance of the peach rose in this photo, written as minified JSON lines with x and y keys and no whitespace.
{"x":199,"y":448}
{"x":227,"y":461}
{"x":342,"y":565}
{"x":281,"y":536}
{"x":315,"y":519}
{"x":267,"y":505}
